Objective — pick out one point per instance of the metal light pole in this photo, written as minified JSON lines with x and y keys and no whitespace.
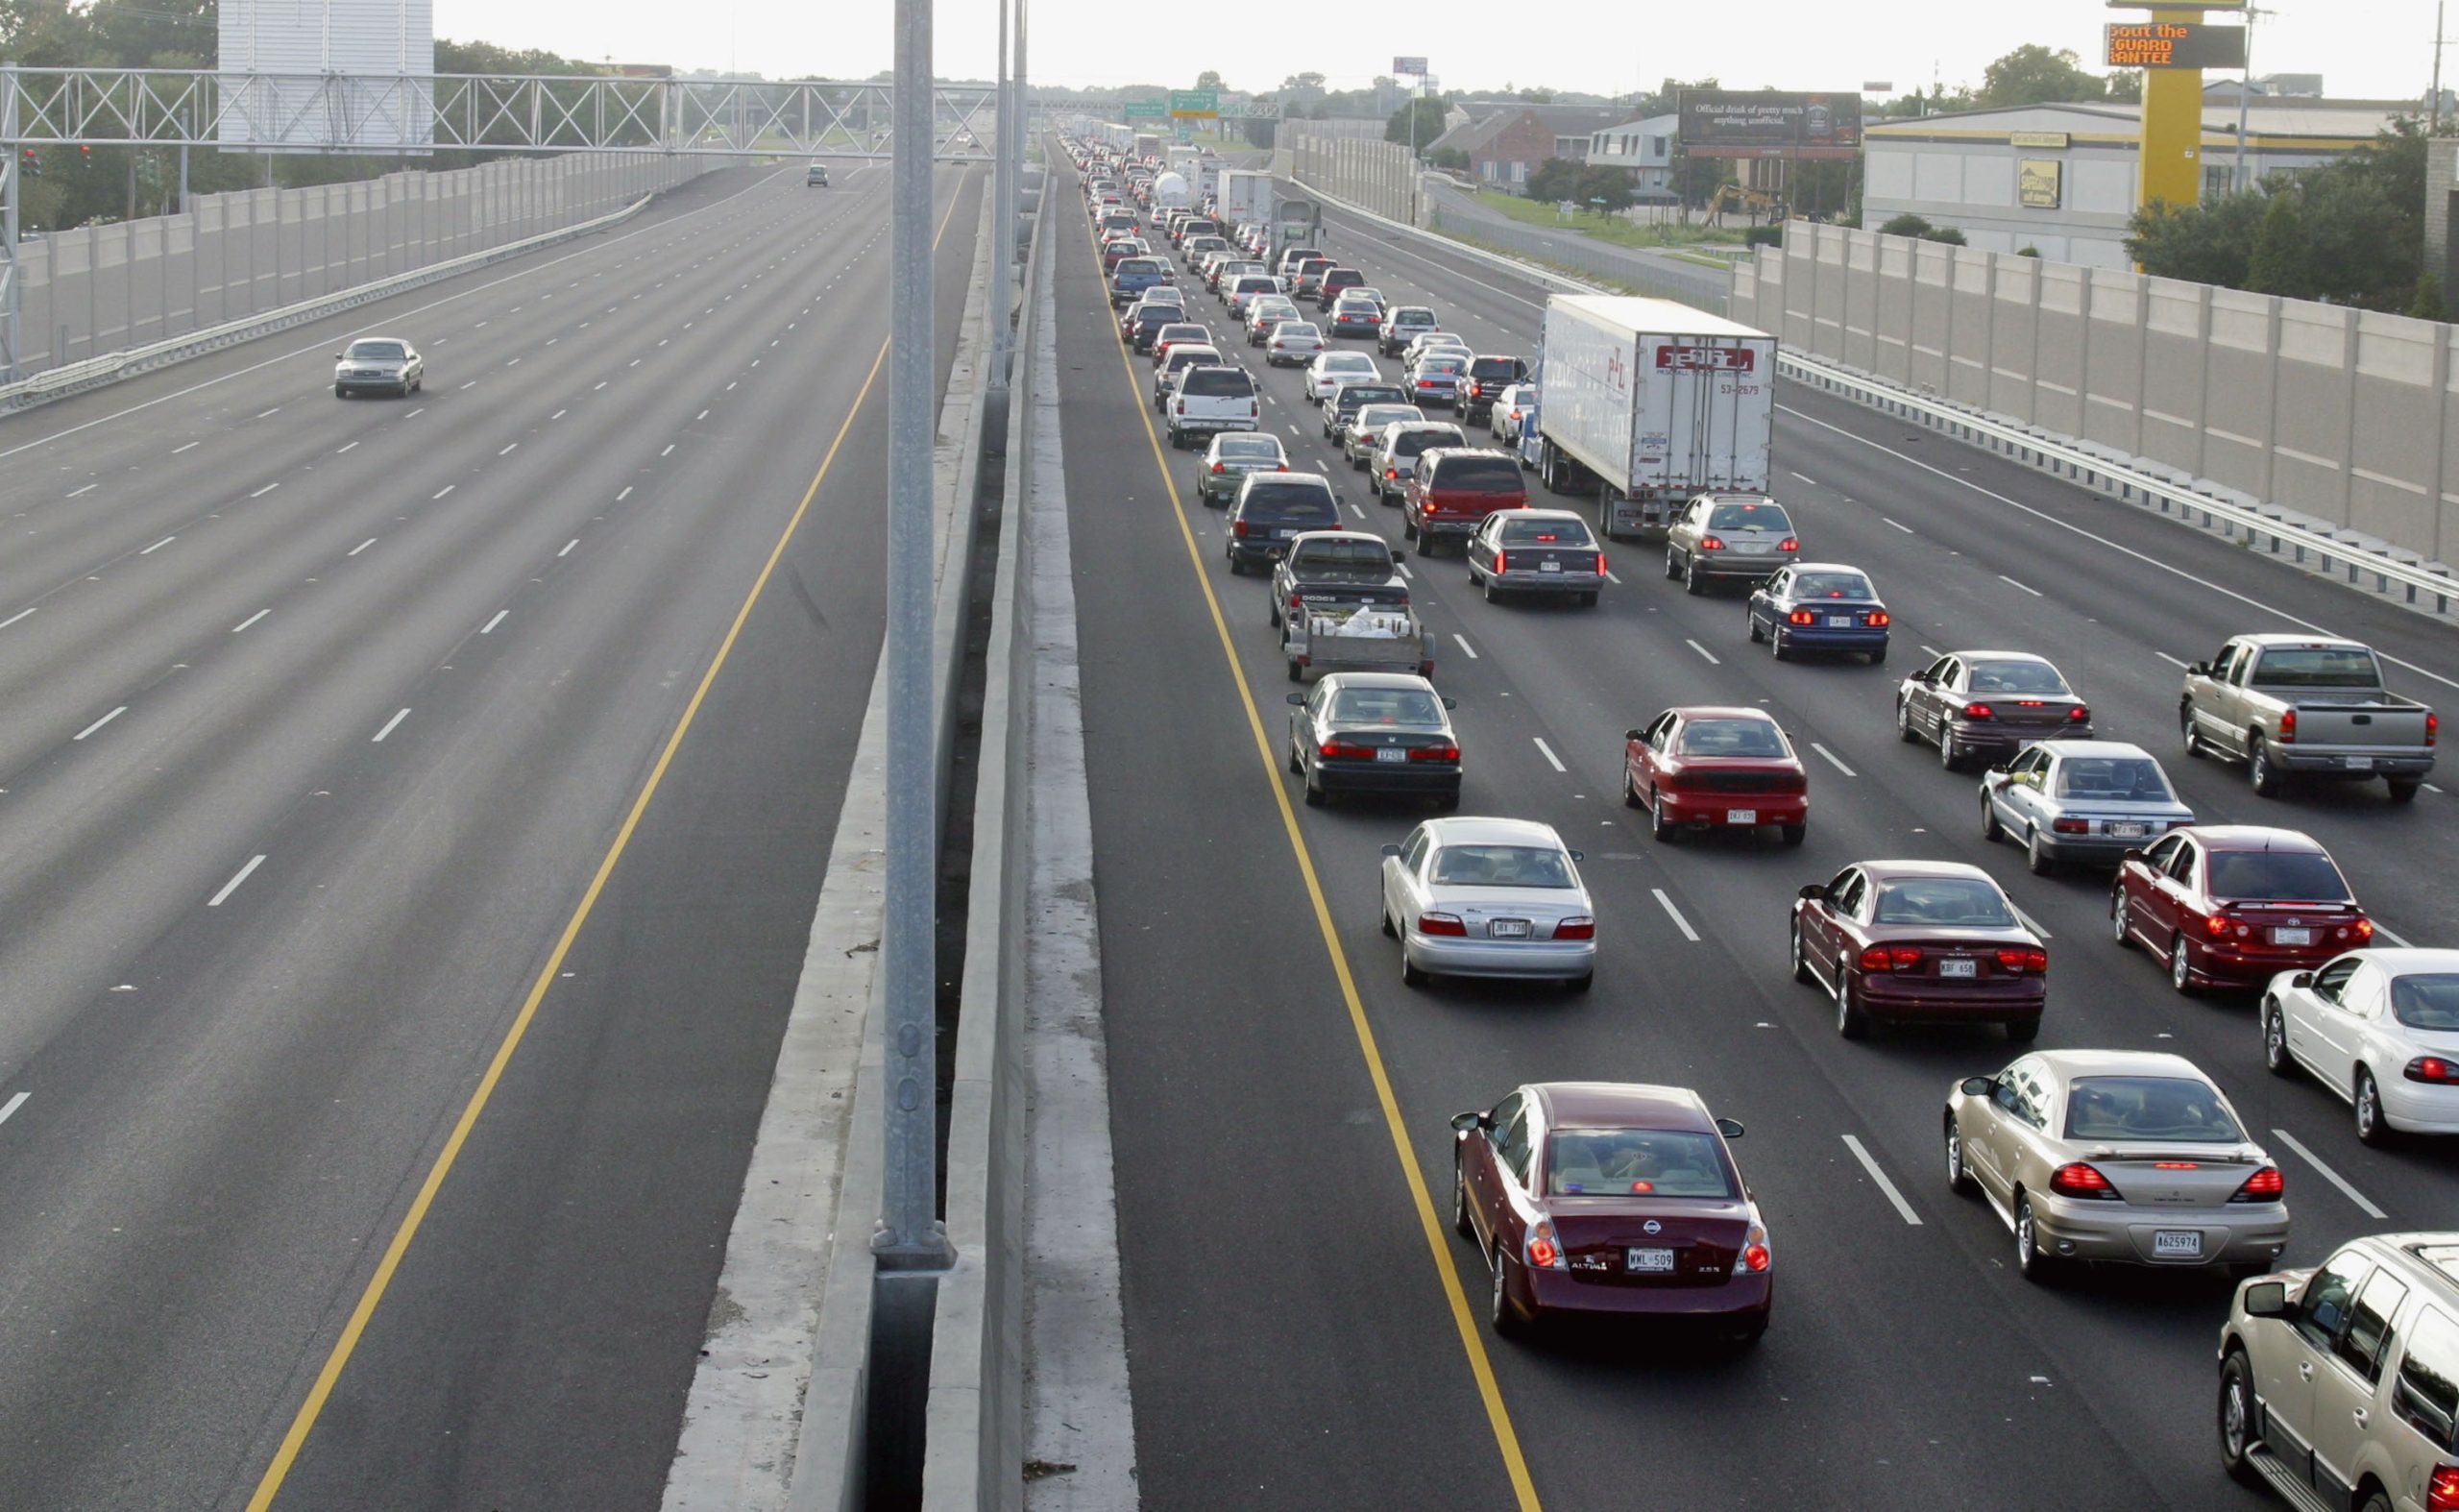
{"x":2437,"y":67}
{"x":10,"y":291}
{"x":1003,"y":216}
{"x":909,"y":1236}
{"x":2245,"y":87}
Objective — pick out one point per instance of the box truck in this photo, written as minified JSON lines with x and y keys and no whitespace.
{"x":1147,"y":146}
{"x":1246,"y":196}
{"x":1643,"y":403}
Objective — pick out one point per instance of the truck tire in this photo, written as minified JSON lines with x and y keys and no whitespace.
{"x":2403,"y":789}
{"x":2260,"y":771}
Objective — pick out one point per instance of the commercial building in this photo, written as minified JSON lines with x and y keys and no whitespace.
{"x":2060,"y":178}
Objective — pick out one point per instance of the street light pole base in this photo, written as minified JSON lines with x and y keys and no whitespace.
{"x":928,"y":1251}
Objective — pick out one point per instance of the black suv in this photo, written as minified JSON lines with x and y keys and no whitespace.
{"x":1484,"y":383}
{"x":1270,"y":507}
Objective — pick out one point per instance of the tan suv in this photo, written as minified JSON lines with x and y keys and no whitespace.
{"x":2339,"y":1387}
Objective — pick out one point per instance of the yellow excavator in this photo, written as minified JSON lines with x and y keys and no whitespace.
{"x":1759,"y":206}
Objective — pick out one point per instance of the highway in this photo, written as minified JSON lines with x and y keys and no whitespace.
{"x":1302,"y":1325}
{"x":390,"y":785}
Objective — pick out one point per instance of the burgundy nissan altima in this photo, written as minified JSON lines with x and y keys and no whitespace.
{"x":1611,"y":1197}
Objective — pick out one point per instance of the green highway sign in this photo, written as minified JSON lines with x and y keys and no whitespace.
{"x":1143,"y":108}
{"x":1195,"y":102}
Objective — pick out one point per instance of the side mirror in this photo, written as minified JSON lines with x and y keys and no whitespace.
{"x":1450,"y":703}
{"x":1729,"y":1128}
{"x":1635,"y":735}
{"x":2267,"y":1300}
{"x":1579,"y":855}
{"x":1340,"y":498}
{"x":1296,"y":700}
{"x":1978,"y":1086}
{"x":2198,"y":669}
{"x":1998,"y":770}
{"x":2132,"y":855}
{"x":1399,"y":555}
{"x":338,"y":356}
{"x":2302,"y":978}
{"x":1391,"y":850}
{"x":1813,"y":892}
{"x":1468,"y":1123}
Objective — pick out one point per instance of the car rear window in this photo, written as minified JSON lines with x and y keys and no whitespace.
{"x":2317,"y":667}
{"x":1289,"y":503}
{"x":1831,"y":585}
{"x":2035,"y":679}
{"x":2129,"y":779}
{"x":1409,"y":443}
{"x":1412,"y":708}
{"x":1501,"y":867}
{"x":2276,"y":876}
{"x":1183,"y":357}
{"x":1547,"y":532}
{"x":1731,"y":737}
{"x":1218,"y":384}
{"x":1748,"y":516}
{"x":1296,"y":327}
{"x":1479,"y":475}
{"x":2148,"y":1107}
{"x":2428,"y":1392}
{"x":1442,"y":364}
{"x":1248,"y":449}
{"x":1645,"y":1163}
{"x":1959,"y":902}
{"x":1128,"y":265}
{"x":2426,"y":1000}
{"x":1357,"y":396}
{"x":1352,"y":552}
{"x":1181,"y":331}
{"x":1254,"y":283}
{"x":1490,"y":368}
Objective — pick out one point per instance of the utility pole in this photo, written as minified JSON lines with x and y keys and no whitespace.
{"x":2437,"y":65}
{"x":2246,"y":86}
{"x":1003,"y":216}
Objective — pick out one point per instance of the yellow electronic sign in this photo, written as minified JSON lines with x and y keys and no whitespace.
{"x":2174,"y":44}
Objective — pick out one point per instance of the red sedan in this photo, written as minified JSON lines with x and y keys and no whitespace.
{"x":1932,"y":941}
{"x":2235,"y":904}
{"x":1611,"y":1197}
{"x":1715,"y":768}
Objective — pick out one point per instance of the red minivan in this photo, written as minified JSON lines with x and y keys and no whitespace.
{"x":1452,"y":490}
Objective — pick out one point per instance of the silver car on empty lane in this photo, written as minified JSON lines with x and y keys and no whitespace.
{"x":1489,"y":898}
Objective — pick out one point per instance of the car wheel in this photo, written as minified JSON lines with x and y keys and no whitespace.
{"x":2276,"y":1057}
{"x":1630,"y":789}
{"x":340,"y":392}
{"x":1297,"y":673}
{"x":1499,"y":1310}
{"x":1460,"y":1224}
{"x":1237,"y":565}
{"x":2372,"y":1128}
{"x":1691,"y":582}
{"x":1272,"y":611}
{"x":1878,"y":658}
{"x":2260,"y":771}
{"x":1793,"y":835}
{"x":1672,"y":566}
{"x":2180,"y":967}
{"x":1751,"y":1332}
{"x":1992,"y":831}
{"x":1410,"y":973}
{"x":1389,"y":933}
{"x":1776,"y":644}
{"x":2186,"y":732}
{"x":1947,"y":755}
{"x":2237,"y":1419}
{"x":2029,"y":1262}
{"x":1408,"y":528}
{"x":2036,"y":856}
{"x":1851,"y":1023}
{"x":1493,"y":595}
{"x":1904,"y":730}
{"x":1660,"y":825}
{"x":1959,"y":1179}
{"x":1801,"y":962}
{"x":2403,"y":789}
{"x":1750,"y":623}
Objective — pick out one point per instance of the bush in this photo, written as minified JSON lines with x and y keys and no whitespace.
{"x":1762,"y":236}
{"x":1906,"y":223}
{"x":2028,"y":252}
{"x":1947,"y":235}
{"x":2427,"y":304}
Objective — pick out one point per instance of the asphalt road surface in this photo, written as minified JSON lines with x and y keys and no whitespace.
{"x":349,"y":741}
{"x":1303,"y":1326}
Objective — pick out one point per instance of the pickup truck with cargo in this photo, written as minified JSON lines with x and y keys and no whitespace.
{"x":2294,"y":705}
{"x":1646,"y":404}
{"x":1341,"y":605}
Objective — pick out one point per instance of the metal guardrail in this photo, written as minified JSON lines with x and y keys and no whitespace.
{"x":73,"y":377}
{"x":2058,"y":455}
{"x":2417,"y":580}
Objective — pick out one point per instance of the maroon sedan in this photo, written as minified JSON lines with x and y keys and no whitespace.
{"x":1611,"y":1197}
{"x":1714,"y":768}
{"x":1933,"y":940}
{"x":2234,"y":904}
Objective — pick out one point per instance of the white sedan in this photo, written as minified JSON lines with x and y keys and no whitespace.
{"x":1332,"y":369}
{"x":1489,"y":898}
{"x":2380,"y":1028}
{"x":1293,"y":341}
{"x":1511,"y":407}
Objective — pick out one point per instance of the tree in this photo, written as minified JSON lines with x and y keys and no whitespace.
{"x":1303,"y":84}
{"x":1419,"y":122}
{"x":2280,"y":262}
{"x":2427,"y":302}
{"x":1554,"y":178}
{"x":2124,"y":85}
{"x":2205,"y":243}
{"x":1261,"y":130}
{"x":1600,"y":187}
{"x":1209,"y":79}
{"x":2034,"y":75}
{"x":1452,"y":158}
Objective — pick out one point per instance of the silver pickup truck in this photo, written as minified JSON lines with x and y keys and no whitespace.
{"x":1341,"y":606}
{"x":2292,"y":705}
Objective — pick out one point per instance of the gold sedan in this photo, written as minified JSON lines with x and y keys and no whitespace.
{"x":2115,"y":1154}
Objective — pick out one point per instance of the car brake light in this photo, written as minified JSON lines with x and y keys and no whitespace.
{"x":1238,"y":526}
{"x":2434,"y":1069}
{"x":1979,"y":710}
{"x":1576,"y":929}
{"x":1391,"y":472}
{"x":1218,"y":468}
{"x":1789,"y":544}
{"x":2216,"y":926}
{"x":2432,"y":728}
{"x":1297,"y":601}
{"x":1904,"y":957}
{"x":1709,"y":543}
{"x":1600,"y":564}
{"x":1801,"y":617}
{"x":1501,"y":557}
{"x":1545,"y":1251}
{"x":1754,"y":1249}
{"x":1877,"y":618}
{"x":1434,"y":753}
{"x":1874,"y":959}
{"x":2077,"y":715}
{"x":1441,"y":924}
{"x":2288,"y":727}
{"x":2263,"y":1186}
{"x":2078,"y":1179}
{"x":2362,"y":929}
{"x":2071,"y":826}
{"x":1282,"y":467}
{"x":2442,"y":1489}
{"x":2018,"y":960}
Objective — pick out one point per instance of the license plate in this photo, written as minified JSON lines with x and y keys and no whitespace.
{"x":1839,"y":621}
{"x":2357,"y":763}
{"x":1392,"y":753}
{"x":1754,"y":547}
{"x":2292,"y":936}
{"x":1550,"y":566}
{"x":2125,"y":831}
{"x":1742,"y":815}
{"x":2178,"y":1244}
{"x":1958,"y":969}
{"x":1657,"y":1262}
{"x":1507,"y":928}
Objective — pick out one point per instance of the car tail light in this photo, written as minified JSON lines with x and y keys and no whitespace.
{"x":1874,"y":959}
{"x":1238,"y":526}
{"x":2288,"y":727}
{"x":1801,"y":617}
{"x":1600,"y":564}
{"x":1296,"y":601}
{"x":2362,"y":930}
{"x":2018,"y":960}
{"x":1789,"y":544}
{"x":2071,"y":826}
{"x":1345,"y":750}
{"x":1754,"y":1250}
{"x":1709,"y":543}
{"x":2079,"y":714}
{"x":2433,"y":1069}
{"x":1904,"y":957}
{"x":2442,"y":1489}
{"x":1218,"y":468}
{"x":2263,"y":1186}
{"x":1501,"y":557}
{"x":1441,"y":924}
{"x":2078,"y":1179}
{"x":1434,"y":753}
{"x":1576,"y":929}
{"x":2432,"y":728}
{"x":1282,"y":467}
{"x":2216,"y":926}
{"x":1877,"y":618}
{"x":1543,"y":1250}
{"x":1391,"y":472}
{"x":1979,"y":710}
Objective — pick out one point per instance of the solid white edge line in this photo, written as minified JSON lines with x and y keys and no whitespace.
{"x":1702,"y":650}
{"x":99,"y":723}
{"x":389,"y":726}
{"x":12,"y":1105}
{"x":1675,"y":915}
{"x":2365,"y":1204}
{"x":1904,"y":1210}
{"x":1547,"y":751}
{"x":233,"y":886}
{"x":14,"y":618}
{"x":1465,"y":646}
{"x":1834,"y":760}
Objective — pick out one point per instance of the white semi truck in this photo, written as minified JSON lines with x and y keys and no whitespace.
{"x":1643,"y":403}
{"x":1245,"y":195}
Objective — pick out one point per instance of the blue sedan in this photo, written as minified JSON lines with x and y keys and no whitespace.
{"x":1819,"y":606}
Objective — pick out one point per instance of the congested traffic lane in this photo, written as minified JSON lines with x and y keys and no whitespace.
{"x":2094,"y":1374}
{"x":388,"y":721}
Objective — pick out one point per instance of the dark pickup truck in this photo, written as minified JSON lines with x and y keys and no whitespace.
{"x":1341,"y":604}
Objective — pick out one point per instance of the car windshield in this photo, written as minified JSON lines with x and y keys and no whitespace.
{"x":2123,"y":1109}
{"x":2276,"y":876}
{"x":1288,"y":502}
{"x":376,"y":351}
{"x":1831,"y":585}
{"x":1247,"y":448}
{"x":2318,"y":666}
{"x":2033,"y":679}
{"x":2426,"y":1000}
{"x":2134,"y":779}
{"x":1749,"y":517}
{"x":1545,"y":532}
{"x":1501,"y":867}
{"x":1957,"y":902}
{"x":1731,"y":737}
{"x":1645,"y":1163}
{"x":1484,"y":472}
{"x":1413,"y":708}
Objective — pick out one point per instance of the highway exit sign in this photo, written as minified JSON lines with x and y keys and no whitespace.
{"x":1190,"y":102}
{"x":1144,"y":108}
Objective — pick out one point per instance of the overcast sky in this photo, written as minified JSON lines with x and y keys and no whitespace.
{"x":2364,"y":48}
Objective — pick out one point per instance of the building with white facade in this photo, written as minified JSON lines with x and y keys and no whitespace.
{"x":1645,"y":148}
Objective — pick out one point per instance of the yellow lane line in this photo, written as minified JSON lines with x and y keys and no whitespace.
{"x":269,"y":1486}
{"x":1473,"y":1342}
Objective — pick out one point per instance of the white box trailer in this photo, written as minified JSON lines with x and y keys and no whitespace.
{"x":1643,"y":403}
{"x":1245,"y":195}
{"x":1208,"y":179}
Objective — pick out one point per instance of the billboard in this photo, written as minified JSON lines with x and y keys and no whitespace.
{"x":275,"y":56}
{"x":2175,"y":45}
{"x":1407,"y":67}
{"x":1769,"y":123}
{"x":2038,"y":182}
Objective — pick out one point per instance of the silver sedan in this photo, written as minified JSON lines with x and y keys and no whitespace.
{"x":2080,"y":800}
{"x":1489,"y":898}
{"x":379,"y":365}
